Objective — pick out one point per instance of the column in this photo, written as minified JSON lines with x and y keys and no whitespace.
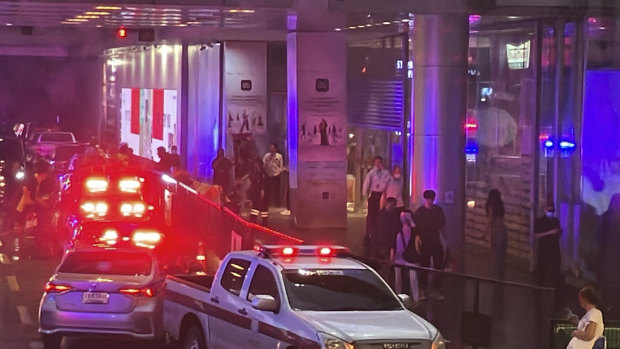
{"x":317,"y":129}
{"x":440,"y":90}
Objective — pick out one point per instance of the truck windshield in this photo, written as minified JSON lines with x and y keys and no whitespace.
{"x":107,"y":263}
{"x":338,"y":290}
{"x":63,"y":137}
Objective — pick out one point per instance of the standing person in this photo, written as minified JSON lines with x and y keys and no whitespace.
{"x":389,"y":226}
{"x":174,"y":158}
{"x":221,"y":166}
{"x":243,"y":170}
{"x":591,"y":327}
{"x":547,"y":233}
{"x":401,"y":243}
{"x":429,"y":220}
{"x":395,"y":187}
{"x":609,"y":259}
{"x":260,"y":205}
{"x":496,"y":230}
{"x":273,"y":165}
{"x":373,"y":189}
{"x":163,"y":164}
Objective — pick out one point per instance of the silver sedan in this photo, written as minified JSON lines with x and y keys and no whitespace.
{"x":103,"y":292}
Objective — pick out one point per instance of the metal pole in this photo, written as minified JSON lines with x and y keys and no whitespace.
{"x":406,"y":134}
{"x":559,"y":75}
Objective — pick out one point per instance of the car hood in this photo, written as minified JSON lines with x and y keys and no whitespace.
{"x":354,"y":326}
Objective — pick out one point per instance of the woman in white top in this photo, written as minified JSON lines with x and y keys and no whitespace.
{"x":396,"y":256}
{"x":590,"y":328}
{"x":394,"y":187}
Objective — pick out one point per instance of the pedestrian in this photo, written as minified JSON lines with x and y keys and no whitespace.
{"x":243,"y":169}
{"x":389,"y":226}
{"x":260,"y":205}
{"x":591,"y":327}
{"x":401,"y":243}
{"x":547,"y":234}
{"x":395,"y":187}
{"x":163,"y":164}
{"x":273,"y":165}
{"x":221,"y":166}
{"x":430,"y":220}
{"x":174,"y":158}
{"x":496,"y":231}
{"x":373,"y":189}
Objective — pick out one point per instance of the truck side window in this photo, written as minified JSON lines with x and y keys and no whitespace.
{"x":234,"y":274}
{"x":263,"y":283}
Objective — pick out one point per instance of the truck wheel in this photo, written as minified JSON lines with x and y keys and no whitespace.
{"x":193,"y":338}
{"x":51,"y":341}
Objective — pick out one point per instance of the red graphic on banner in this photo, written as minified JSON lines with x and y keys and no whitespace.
{"x":158,"y":114}
{"x":135,"y":111}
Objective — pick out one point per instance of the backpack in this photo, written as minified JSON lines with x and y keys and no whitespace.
{"x":410,"y":254}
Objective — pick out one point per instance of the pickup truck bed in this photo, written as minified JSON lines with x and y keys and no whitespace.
{"x":202,"y":282}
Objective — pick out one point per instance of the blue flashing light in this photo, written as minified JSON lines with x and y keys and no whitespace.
{"x":548,"y":144}
{"x":567,"y":145}
{"x":471,"y":147}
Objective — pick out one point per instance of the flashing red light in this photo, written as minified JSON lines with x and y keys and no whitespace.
{"x":288,"y":251}
{"x":138,"y":292}
{"x":325,"y":252}
{"x":471,"y":125}
{"x":53,"y":288}
{"x":121,"y":32}
{"x":543,"y":137}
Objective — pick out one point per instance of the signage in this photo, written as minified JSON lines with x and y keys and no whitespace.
{"x":518,"y":56}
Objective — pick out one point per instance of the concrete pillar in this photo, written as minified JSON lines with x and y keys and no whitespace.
{"x":317,"y":128}
{"x":440,"y":88}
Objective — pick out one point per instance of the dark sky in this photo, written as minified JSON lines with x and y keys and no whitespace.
{"x":37,"y":89}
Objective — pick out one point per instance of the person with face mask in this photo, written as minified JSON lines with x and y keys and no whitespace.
{"x":547,"y":233}
{"x":395,"y":187}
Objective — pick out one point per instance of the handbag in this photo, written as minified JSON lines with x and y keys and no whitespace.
{"x":410,"y":254}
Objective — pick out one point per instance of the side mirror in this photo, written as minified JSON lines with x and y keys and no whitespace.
{"x":407,"y":301}
{"x":264,"y":303}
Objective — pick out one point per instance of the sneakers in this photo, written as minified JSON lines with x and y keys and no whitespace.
{"x":286,"y":212}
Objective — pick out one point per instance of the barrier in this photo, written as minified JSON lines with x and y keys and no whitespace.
{"x":212,"y":228}
{"x":562,"y":330}
{"x":486,"y":313}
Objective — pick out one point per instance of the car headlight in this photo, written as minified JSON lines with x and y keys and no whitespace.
{"x":439,"y":342}
{"x":330,"y":342}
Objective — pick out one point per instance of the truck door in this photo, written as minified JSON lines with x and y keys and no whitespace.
{"x":229,"y":324}
{"x":263,"y":323}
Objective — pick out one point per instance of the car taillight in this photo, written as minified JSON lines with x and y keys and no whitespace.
{"x":109,"y":237}
{"x":139,"y":292}
{"x":129,"y":185}
{"x":55,"y":288}
{"x":148,"y":239}
{"x":93,"y":209}
{"x":136,"y":209}
{"x":96,"y":185}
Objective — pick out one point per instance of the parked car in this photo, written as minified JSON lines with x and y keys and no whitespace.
{"x":45,"y":143}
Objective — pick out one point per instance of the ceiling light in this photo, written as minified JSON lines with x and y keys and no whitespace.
{"x":181,"y":25}
{"x":87,"y":16}
{"x":386,"y":23}
{"x":404,"y":20}
{"x":352,"y":27}
{"x":361,"y":26}
{"x":65,"y":22}
{"x":337,"y":29}
{"x":9,"y":24}
{"x":77,"y":20}
{"x":108,"y":8}
{"x":240,"y":11}
{"x":97,"y":13}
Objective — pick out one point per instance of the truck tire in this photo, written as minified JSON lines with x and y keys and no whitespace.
{"x":193,"y":338}
{"x":51,"y":341}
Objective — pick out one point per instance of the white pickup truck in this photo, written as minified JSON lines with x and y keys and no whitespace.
{"x":45,"y":143}
{"x":295,"y":297}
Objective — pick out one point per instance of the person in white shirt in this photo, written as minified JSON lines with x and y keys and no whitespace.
{"x":395,"y":186}
{"x":396,"y":256}
{"x":373,"y":189}
{"x":590,"y":328}
{"x":273,"y":165}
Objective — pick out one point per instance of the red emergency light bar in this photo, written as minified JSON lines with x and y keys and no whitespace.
{"x":306,"y":251}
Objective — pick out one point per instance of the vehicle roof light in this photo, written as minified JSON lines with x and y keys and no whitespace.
{"x":148,"y":239}
{"x":95,"y":185}
{"x":301,"y":250}
{"x":325,"y":251}
{"x":110,"y":237}
{"x":129,"y":185}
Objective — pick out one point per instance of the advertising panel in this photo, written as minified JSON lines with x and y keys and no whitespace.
{"x":148,"y":120}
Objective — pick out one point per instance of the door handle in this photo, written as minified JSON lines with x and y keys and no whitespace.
{"x":215,"y":300}
{"x":242,"y":311}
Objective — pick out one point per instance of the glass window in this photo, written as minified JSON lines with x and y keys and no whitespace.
{"x":263,"y":283}
{"x":57,"y":137}
{"x":338,"y":290}
{"x":234,"y":274}
{"x":107,"y":263}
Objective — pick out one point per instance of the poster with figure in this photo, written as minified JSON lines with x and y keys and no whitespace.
{"x":148,"y":120}
{"x":245,"y":88}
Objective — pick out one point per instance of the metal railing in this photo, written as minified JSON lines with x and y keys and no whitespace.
{"x":562,"y":330}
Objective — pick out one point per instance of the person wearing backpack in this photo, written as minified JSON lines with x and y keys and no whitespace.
{"x":405,"y":252}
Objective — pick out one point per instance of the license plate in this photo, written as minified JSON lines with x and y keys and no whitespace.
{"x":95,"y":298}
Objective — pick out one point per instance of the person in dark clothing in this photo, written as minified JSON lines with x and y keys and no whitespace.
{"x":389,"y":227}
{"x":163,"y":164}
{"x":609,"y":260}
{"x":496,"y":230}
{"x":174,"y":158}
{"x":547,"y":233}
{"x":429,"y":220}
{"x":257,"y":194}
{"x":221,"y":166}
